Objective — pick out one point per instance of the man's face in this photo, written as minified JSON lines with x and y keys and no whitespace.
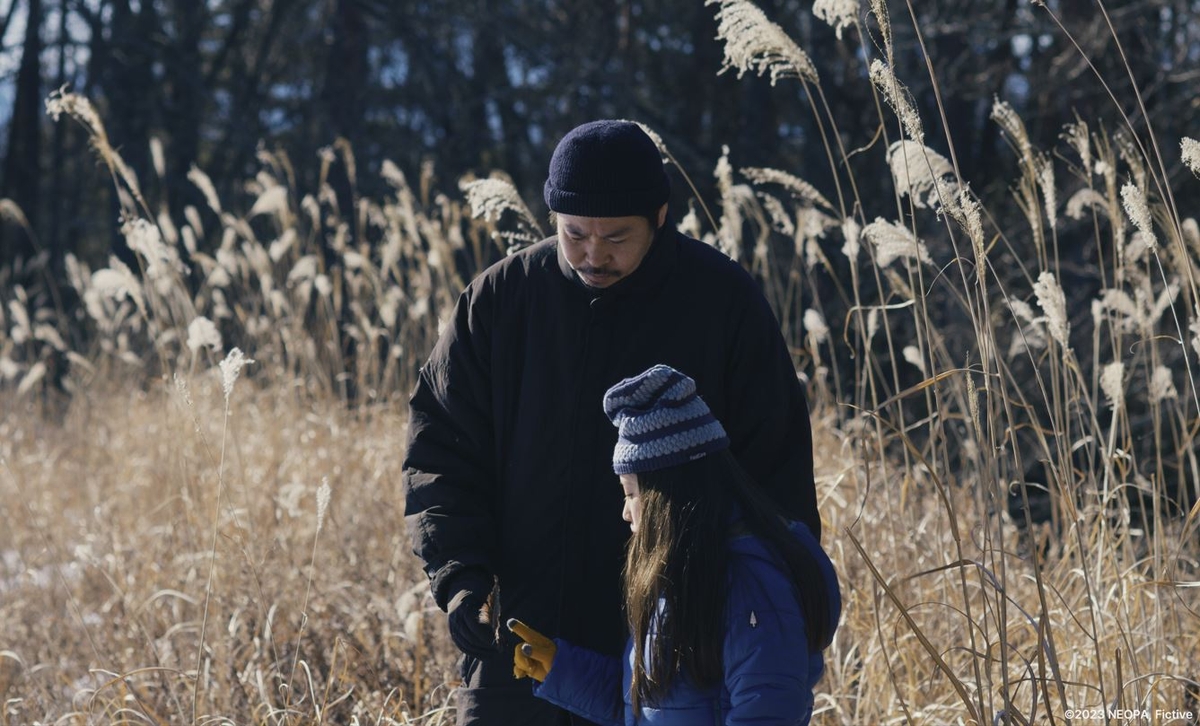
{"x":605,"y":250}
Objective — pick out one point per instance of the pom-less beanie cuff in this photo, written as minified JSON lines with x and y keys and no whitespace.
{"x":606,"y":169}
{"x":621,"y":203}
{"x":637,"y":459}
{"x":660,"y":421}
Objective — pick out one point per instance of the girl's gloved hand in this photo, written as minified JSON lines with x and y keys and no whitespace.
{"x":533,"y":658}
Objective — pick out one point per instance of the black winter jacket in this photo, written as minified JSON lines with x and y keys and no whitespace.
{"x":509,"y":461}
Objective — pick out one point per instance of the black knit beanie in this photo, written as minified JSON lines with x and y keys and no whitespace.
{"x":606,"y":169}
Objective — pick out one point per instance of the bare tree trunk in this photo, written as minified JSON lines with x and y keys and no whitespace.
{"x":184,"y":100}
{"x":346,"y":71}
{"x":491,"y":83}
{"x":54,"y":237}
{"x":22,"y":175}
{"x":344,"y":97}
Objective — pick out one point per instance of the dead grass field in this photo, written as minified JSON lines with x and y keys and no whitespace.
{"x":117,"y":607}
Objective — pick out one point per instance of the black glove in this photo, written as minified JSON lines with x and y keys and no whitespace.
{"x":470,"y":617}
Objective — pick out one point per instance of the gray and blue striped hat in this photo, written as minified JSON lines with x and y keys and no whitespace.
{"x":660,"y":421}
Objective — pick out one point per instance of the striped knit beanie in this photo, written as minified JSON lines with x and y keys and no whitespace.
{"x":660,"y":421}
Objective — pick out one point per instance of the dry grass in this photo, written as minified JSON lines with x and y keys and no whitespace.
{"x":105,"y":582}
{"x":107,"y":550}
{"x":950,"y":609}
{"x":163,"y":558}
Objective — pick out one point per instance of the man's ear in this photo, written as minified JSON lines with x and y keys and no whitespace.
{"x":662,"y":216}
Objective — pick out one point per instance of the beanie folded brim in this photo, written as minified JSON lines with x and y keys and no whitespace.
{"x":625,"y":203}
{"x":626,"y":460}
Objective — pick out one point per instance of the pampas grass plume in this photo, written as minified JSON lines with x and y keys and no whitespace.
{"x":1194,"y":329}
{"x":917,"y":171}
{"x":1079,"y":137}
{"x":1112,"y":380}
{"x":966,"y":211}
{"x":156,"y":155}
{"x":1011,"y":123}
{"x":1191,"y":154}
{"x":838,"y":13}
{"x":272,"y":201}
{"x":879,"y":10}
{"x":798,"y":188}
{"x":893,"y":242}
{"x":205,"y":185}
{"x":1135,"y":206}
{"x":913,"y":355}
{"x":181,"y":387}
{"x":33,"y":376}
{"x":897,"y":96}
{"x":202,"y":333}
{"x":973,"y":400}
{"x":323,"y":495}
{"x":754,"y":43}
{"x":1085,"y":199}
{"x":815,"y":324}
{"x":77,"y":107}
{"x":1162,"y":385}
{"x":490,"y":198}
{"x":851,"y":232}
{"x":1053,"y":302}
{"x":231,"y":368}
{"x":1045,"y":169}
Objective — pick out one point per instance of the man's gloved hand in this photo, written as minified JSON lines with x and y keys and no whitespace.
{"x":470,"y":618}
{"x":533,"y":658}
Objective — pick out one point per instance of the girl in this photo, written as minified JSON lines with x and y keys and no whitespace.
{"x":728,"y":604}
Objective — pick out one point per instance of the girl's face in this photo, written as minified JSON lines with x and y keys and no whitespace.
{"x":632,"y":511}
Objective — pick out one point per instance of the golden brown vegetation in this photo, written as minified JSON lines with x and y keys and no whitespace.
{"x":163,"y":564}
{"x":166,"y":559}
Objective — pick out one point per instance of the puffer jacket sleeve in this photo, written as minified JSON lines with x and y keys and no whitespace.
{"x":449,"y":473}
{"x":769,"y":670}
{"x":585,"y":683}
{"x":768,"y":420}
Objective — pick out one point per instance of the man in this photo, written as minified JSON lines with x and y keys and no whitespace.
{"x":510,"y":497}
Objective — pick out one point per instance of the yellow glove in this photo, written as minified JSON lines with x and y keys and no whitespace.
{"x":533,"y":658}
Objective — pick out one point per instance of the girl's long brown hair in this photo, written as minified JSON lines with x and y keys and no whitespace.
{"x":679,"y":557}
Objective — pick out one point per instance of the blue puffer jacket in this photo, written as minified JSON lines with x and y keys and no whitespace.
{"x":770,"y":670}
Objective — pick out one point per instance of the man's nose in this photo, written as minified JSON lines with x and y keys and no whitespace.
{"x":594,"y":251}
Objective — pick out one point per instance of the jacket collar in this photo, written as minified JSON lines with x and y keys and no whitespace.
{"x":649,"y":275}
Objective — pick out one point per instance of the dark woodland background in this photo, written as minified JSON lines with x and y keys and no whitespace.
{"x":472,"y":86}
